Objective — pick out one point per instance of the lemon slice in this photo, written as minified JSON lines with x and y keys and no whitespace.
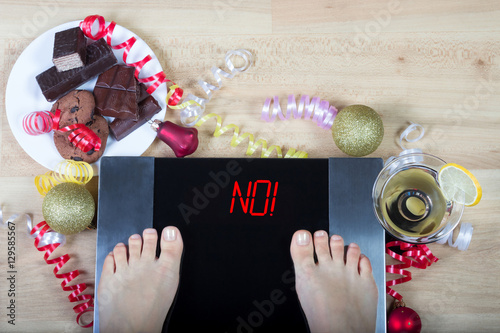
{"x":459,"y":184}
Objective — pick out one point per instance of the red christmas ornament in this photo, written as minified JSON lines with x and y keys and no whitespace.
{"x":182,"y":140}
{"x":403,"y":320}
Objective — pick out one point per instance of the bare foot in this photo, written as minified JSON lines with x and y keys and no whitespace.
{"x":135,"y":294}
{"x":336,"y":295}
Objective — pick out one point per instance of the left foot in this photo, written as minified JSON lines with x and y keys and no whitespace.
{"x":135,"y":293}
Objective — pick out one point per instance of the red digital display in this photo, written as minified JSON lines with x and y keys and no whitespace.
{"x":248,"y":203}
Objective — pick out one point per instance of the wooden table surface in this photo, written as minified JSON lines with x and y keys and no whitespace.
{"x":431,"y":62}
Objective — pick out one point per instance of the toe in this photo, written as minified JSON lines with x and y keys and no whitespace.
{"x":321,"y":246}
{"x":171,"y":248}
{"x":365,"y":267}
{"x":120,"y":255}
{"x":134,"y":248}
{"x":108,"y":268}
{"x":352,"y":257}
{"x":302,"y":250}
{"x":337,"y":248}
{"x":150,"y":237}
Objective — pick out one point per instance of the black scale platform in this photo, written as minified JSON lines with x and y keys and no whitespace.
{"x":237,"y":218}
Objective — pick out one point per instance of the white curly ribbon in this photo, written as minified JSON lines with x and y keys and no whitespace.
{"x":193,"y":106}
{"x":50,"y":237}
{"x":463,"y":239}
{"x":11,"y":218}
{"x":412,"y":128}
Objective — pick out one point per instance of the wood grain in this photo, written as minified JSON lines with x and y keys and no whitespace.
{"x":431,"y":62}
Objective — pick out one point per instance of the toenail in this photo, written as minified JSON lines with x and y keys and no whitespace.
{"x":135,"y":236}
{"x":150,"y":231}
{"x":120,"y":244}
{"x":353,"y":245}
{"x":336,"y":238}
{"x":303,"y":238}
{"x":169,"y":234}
{"x":320,"y":233}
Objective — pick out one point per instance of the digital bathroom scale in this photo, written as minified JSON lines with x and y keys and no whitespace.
{"x":237,"y":217}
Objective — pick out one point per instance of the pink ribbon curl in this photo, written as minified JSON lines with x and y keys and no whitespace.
{"x":322,"y":113}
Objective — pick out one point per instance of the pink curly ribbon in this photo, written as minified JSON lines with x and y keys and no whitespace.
{"x":323,"y":114}
{"x":82,"y":137}
{"x":38,"y":122}
{"x":103,"y":31}
{"x":415,"y":255}
{"x":78,"y":289}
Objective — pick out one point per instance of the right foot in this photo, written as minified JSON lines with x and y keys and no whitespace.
{"x":136,"y":291}
{"x":336,"y":295}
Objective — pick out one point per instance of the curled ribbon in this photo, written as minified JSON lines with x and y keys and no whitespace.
{"x":175,"y":93}
{"x":463,"y":239}
{"x":413,"y":127}
{"x":322,"y":113}
{"x":47,"y":240}
{"x":11,"y":218}
{"x":193,"y":106}
{"x":38,"y":122}
{"x":66,"y":171}
{"x":252,"y":145}
{"x":415,"y":255}
{"x":82,"y":137}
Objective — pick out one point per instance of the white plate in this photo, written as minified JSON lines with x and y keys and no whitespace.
{"x":23,"y":96}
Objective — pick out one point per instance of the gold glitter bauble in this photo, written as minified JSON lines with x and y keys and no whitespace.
{"x":68,"y":208}
{"x":358,"y":130}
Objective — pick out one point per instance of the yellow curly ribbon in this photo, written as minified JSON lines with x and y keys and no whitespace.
{"x":66,"y":171}
{"x":252,"y":145}
{"x":183,"y":105}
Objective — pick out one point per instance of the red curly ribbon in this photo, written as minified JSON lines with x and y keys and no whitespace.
{"x":82,"y":137}
{"x":415,"y":255}
{"x":103,"y":31}
{"x":38,"y":122}
{"x":78,"y":289}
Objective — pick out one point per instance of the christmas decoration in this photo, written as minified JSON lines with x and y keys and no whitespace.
{"x":357,"y":130}
{"x":66,"y":184}
{"x":403,"y":320}
{"x":321,"y":112}
{"x":252,"y":145}
{"x":68,"y":208}
{"x":183,"y":141}
{"x":193,"y":106}
{"x":41,"y":122}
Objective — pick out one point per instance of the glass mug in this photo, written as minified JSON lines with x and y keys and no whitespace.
{"x":408,"y":200}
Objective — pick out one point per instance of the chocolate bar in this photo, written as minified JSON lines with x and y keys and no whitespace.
{"x":120,"y":128}
{"x":69,"y":49}
{"x":55,"y":84}
{"x":116,"y":93}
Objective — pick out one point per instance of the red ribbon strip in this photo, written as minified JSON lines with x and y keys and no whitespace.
{"x":38,"y":122}
{"x":78,"y":289}
{"x":82,"y":137}
{"x":415,"y":255}
{"x":103,"y":31}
